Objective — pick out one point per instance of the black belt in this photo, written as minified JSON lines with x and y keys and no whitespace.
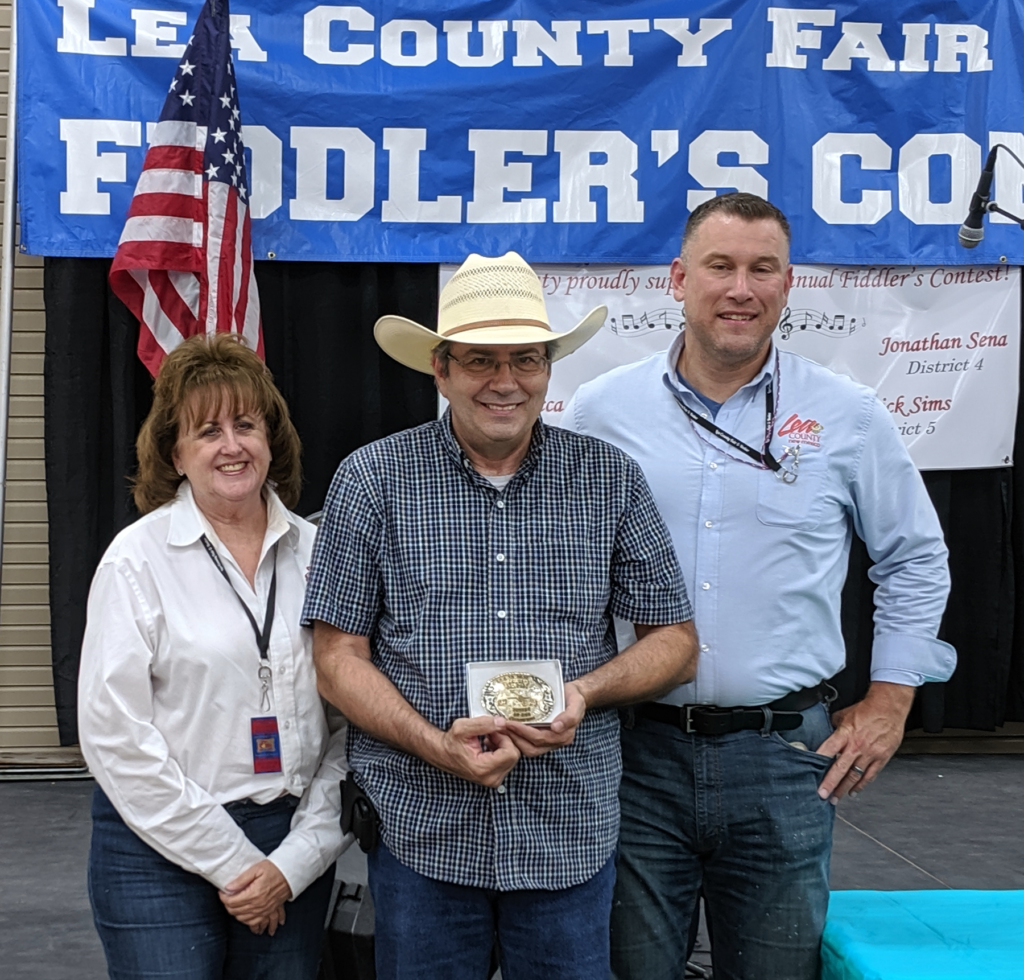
{"x":781,"y":715}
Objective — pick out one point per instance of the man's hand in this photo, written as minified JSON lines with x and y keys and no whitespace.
{"x":477,"y":749}
{"x":257,"y":896}
{"x":532,"y":742}
{"x":867,"y":734}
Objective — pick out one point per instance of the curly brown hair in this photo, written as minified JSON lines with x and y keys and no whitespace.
{"x":200,"y":377}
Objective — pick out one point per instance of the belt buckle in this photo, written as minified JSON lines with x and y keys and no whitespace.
{"x":688,"y":719}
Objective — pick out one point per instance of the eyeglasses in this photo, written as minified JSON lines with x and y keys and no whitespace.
{"x":521,"y":365}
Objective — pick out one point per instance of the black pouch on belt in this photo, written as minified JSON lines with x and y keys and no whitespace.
{"x":358,"y":815}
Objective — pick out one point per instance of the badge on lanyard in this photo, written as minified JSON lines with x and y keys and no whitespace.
{"x":266,"y":740}
{"x":266,"y":745}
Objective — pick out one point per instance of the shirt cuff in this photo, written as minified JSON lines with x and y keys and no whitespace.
{"x":302,"y":861}
{"x":898,"y":657}
{"x":907,"y":678}
{"x":241,"y":859}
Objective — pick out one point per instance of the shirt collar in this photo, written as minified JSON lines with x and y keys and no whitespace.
{"x":451,"y":446}
{"x":188,"y":524}
{"x":672,"y":374}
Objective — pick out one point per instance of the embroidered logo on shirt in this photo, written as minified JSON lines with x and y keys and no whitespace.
{"x":807,"y":432}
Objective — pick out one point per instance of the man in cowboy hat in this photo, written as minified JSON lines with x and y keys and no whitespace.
{"x":487,"y":536}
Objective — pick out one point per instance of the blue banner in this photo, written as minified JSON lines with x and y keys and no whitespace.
{"x":572,"y":131}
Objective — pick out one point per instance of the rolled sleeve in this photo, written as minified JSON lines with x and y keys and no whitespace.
{"x":913,"y":660}
{"x":647,"y":583}
{"x":344,"y":587}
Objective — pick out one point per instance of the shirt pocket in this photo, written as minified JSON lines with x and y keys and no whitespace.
{"x":798,"y":505}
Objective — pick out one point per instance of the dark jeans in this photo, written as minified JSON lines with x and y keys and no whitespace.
{"x":158,"y":920}
{"x":738,"y":815}
{"x":433,"y":930}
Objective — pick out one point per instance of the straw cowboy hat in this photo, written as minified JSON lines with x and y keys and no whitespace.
{"x":488,"y":301}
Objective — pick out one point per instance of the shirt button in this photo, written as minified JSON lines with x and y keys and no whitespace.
{"x":502,"y":614}
{"x":501,"y":505}
{"x":501,"y":790}
{"x":704,"y":585}
{"x":713,"y":466}
{"x":709,"y":523}
{"x":703,"y":415}
{"x":703,"y":648}
{"x":499,"y":557}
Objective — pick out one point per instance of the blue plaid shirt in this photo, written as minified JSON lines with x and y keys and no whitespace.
{"x":424,"y":556}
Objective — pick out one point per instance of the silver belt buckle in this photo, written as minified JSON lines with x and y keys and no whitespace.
{"x":688,"y":727}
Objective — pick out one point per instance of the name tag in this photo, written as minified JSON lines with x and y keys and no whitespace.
{"x":266,"y":745}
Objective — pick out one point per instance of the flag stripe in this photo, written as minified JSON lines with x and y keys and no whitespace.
{"x":167,"y":331}
{"x":243,"y":266}
{"x":171,"y":302}
{"x":171,"y":205}
{"x":174,"y":132}
{"x":156,"y":255}
{"x":215,"y":201}
{"x":187,"y":286}
{"x":173,"y":158}
{"x":158,"y":228}
{"x":227,"y":273}
{"x":165,"y":180}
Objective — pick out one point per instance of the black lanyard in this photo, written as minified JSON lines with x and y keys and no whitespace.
{"x":262,"y":636}
{"x":764,"y":457}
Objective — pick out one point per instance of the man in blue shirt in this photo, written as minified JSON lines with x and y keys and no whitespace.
{"x":763,"y":465}
{"x":486,"y":536}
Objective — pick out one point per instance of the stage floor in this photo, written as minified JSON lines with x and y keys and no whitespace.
{"x":928,"y":822}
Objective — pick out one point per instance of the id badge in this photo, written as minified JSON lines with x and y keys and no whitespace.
{"x":266,"y":745}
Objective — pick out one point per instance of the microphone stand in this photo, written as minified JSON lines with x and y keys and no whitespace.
{"x":992,"y":206}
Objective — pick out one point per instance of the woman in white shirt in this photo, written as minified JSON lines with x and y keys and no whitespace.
{"x":216,"y":815}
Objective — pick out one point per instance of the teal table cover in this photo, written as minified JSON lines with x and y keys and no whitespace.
{"x":924,"y":935}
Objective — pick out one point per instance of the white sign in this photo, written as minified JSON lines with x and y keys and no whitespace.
{"x":939,"y":345}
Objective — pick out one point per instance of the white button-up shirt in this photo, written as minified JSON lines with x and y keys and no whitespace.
{"x":168,"y":687}
{"x":765,"y":560}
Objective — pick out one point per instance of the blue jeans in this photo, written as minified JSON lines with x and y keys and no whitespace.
{"x":158,"y":920}
{"x":432,"y":930}
{"x":739,"y":816}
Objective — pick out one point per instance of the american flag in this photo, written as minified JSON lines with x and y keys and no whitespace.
{"x":184,"y":262}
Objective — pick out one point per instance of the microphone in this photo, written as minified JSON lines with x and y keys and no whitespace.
{"x":971,"y":231}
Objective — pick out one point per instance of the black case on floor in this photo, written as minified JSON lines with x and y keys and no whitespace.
{"x":348,"y":941}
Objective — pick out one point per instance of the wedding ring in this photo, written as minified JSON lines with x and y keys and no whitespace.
{"x":857,"y":770}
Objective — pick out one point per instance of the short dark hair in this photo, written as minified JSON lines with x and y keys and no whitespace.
{"x":738,"y":204}
{"x":443,"y":348}
{"x":200,"y":376}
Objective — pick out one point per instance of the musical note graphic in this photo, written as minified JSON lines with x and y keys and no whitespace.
{"x":629,"y":325}
{"x":817,"y":322}
{"x":814,"y":321}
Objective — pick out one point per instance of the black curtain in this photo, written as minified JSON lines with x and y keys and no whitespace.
{"x":344,"y":392}
{"x":317,"y":330}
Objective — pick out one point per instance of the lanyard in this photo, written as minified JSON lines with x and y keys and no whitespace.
{"x":262,"y":636}
{"x":764,"y":458}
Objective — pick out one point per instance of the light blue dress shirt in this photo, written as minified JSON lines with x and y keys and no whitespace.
{"x":764,"y":560}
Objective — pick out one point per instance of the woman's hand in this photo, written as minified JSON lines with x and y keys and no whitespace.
{"x":257,"y":896}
